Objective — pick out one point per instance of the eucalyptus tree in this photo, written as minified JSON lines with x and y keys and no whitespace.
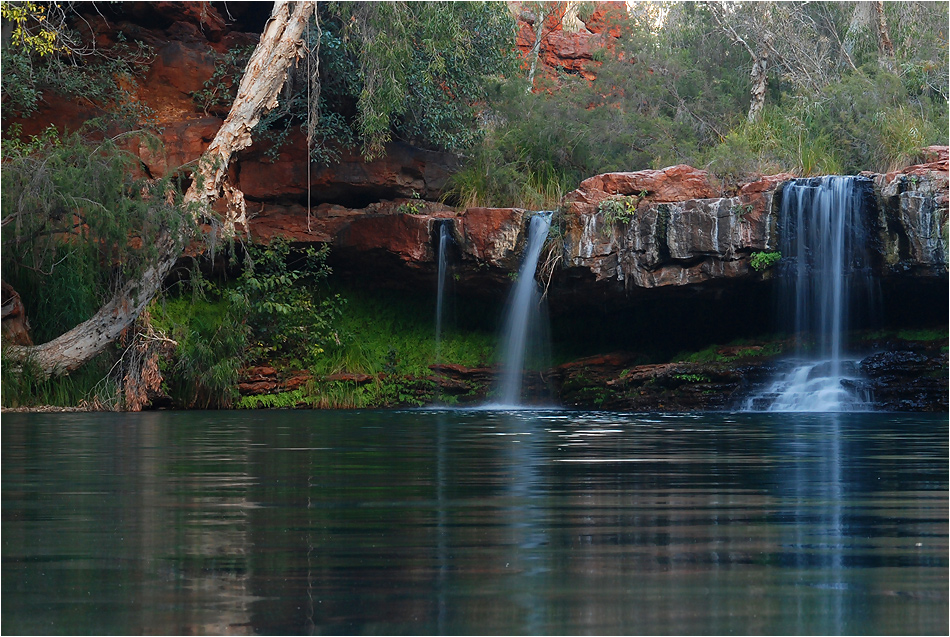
{"x":414,"y":70}
{"x":258,"y":92}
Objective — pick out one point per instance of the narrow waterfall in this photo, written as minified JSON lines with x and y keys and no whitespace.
{"x":442,"y":249}
{"x":825,"y":288}
{"x":523,"y":316}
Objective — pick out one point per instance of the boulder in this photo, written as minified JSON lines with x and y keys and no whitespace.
{"x":675,"y":183}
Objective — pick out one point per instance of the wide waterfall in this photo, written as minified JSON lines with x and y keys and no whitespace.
{"x":825,"y":288}
{"x":523,"y":319}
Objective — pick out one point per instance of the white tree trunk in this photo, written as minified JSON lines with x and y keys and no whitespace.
{"x":279,"y":47}
{"x":885,"y":46}
{"x":536,"y":48}
{"x":760,"y":78}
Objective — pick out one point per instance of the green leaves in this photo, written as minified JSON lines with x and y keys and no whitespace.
{"x":415,"y":69}
{"x":289,"y":317}
{"x":762,"y":261}
{"x":618,"y":209}
{"x":76,"y":225}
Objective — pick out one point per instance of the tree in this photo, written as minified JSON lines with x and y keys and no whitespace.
{"x":757,"y":42}
{"x":278,"y":49}
{"x":536,"y":14}
{"x":417,"y":69}
{"x":414,"y":70}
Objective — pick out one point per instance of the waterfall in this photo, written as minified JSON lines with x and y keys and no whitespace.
{"x":824,"y":283}
{"x":445,"y":239}
{"x":523,"y":316}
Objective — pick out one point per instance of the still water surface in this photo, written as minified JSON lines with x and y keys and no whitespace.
{"x":483,"y":522}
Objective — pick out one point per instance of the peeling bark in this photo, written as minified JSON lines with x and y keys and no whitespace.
{"x":885,"y":45}
{"x":760,"y":78}
{"x":279,"y":47}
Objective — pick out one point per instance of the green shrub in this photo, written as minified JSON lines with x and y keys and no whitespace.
{"x":212,"y":336}
{"x":761,"y":261}
{"x":77,"y":224}
{"x":618,"y":209}
{"x":290,"y":318}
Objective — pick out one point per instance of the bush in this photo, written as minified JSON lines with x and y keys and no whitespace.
{"x":762,"y":261}
{"x":288,"y":316}
{"x":77,"y":224}
{"x":212,"y":337}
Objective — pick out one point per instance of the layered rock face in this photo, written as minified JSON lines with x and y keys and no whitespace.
{"x":679,"y":233}
{"x":676,"y":231}
{"x":912,"y":206}
{"x":682,"y":230}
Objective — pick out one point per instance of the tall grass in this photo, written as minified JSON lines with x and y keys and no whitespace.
{"x":24,"y":386}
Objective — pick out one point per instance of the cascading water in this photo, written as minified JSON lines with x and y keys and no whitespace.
{"x":445,"y":239}
{"x":824,"y":281}
{"x":523,"y":317}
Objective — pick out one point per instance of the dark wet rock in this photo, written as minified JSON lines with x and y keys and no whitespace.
{"x":906,"y":380}
{"x":616,"y":382}
{"x":465,"y":385}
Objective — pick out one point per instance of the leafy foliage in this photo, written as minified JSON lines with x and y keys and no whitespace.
{"x":46,"y":57}
{"x":410,"y":71}
{"x":618,"y":209}
{"x":416,"y":69}
{"x":77,"y":223}
{"x":680,"y":93}
{"x":287,"y":315}
{"x":761,"y":261}
{"x":31,"y":29}
{"x":277,"y":312}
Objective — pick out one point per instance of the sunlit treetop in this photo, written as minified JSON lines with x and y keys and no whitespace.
{"x":32,"y":26}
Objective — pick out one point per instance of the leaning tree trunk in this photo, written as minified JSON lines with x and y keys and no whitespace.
{"x":278,"y":49}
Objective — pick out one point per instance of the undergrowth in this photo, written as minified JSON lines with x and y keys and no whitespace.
{"x":394,"y":343}
{"x":383,"y":335}
{"x":24,"y":386}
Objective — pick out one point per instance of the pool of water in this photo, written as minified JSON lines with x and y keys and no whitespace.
{"x":483,"y":522}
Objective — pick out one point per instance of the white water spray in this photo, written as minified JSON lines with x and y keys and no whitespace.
{"x":824,"y":274}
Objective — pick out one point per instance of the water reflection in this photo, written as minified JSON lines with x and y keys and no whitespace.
{"x":464,"y":521}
